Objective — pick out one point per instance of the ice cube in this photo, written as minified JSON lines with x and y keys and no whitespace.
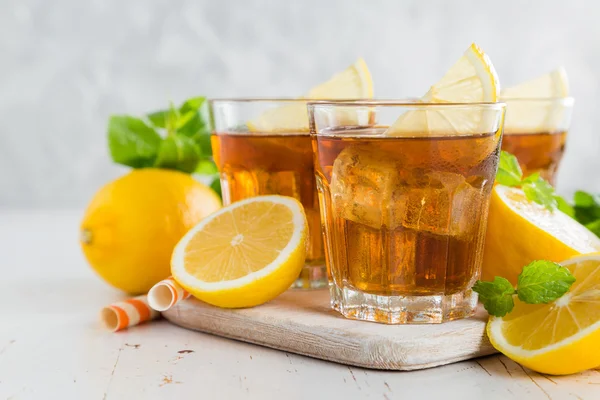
{"x":371,"y":187}
{"x":447,"y":205}
{"x":363,"y":182}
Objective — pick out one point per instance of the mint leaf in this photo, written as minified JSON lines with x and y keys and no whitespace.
{"x":543,"y":281}
{"x":206,"y":167}
{"x":131,"y":142}
{"x":159,"y":118}
{"x":594,"y":227}
{"x":586,"y":206}
{"x":192,"y":104}
{"x":509,"y":170}
{"x":564,"y":206}
{"x":194,"y":123}
{"x":178,"y":152}
{"x":216,"y":186}
{"x":539,"y":191}
{"x":584,"y":199}
{"x":496,"y":296}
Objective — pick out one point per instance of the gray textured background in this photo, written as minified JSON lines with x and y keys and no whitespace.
{"x":65,"y":65}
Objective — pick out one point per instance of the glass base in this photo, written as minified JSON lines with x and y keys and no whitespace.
{"x":433,"y":309}
{"x":312,"y":277}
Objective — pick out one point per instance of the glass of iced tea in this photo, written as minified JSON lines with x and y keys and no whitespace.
{"x":404,"y":210}
{"x":261,"y":147}
{"x":535,"y":131}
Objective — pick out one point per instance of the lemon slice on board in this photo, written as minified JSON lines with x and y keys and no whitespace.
{"x":560,"y":337}
{"x":244,"y":254}
{"x":352,"y":83}
{"x":530,"y":116}
{"x":472,"y":79}
{"x":520,"y":231}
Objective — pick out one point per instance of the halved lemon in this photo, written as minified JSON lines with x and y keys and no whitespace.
{"x":535,"y":106}
{"x":520,"y":231}
{"x":560,"y":337}
{"x":244,"y":254}
{"x":472,"y":79}
{"x":352,"y":83}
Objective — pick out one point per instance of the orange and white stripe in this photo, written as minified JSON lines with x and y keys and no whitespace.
{"x":165,"y":294}
{"x":126,"y":313}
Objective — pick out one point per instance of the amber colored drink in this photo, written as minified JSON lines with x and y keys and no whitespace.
{"x":405,"y":216}
{"x":537,"y":152}
{"x":257,"y":164}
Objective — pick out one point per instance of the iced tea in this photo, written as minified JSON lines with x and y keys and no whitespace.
{"x":260,"y":164}
{"x":537,"y":152}
{"x":535,"y":131}
{"x":404,"y":211}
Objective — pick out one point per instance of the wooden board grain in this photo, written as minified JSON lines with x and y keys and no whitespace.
{"x":301,"y":322}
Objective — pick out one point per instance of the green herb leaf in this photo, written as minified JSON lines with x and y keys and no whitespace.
{"x":496,"y":296}
{"x":178,"y":152}
{"x":587,"y":207}
{"x":563,"y":205}
{"x":194,"y":123}
{"x":159,"y":118}
{"x":539,"y":191}
{"x":509,"y":170}
{"x":131,"y":142}
{"x":192,"y":104}
{"x":584,"y":199}
{"x":543,"y":281}
{"x":594,"y":227}
{"x":206,"y":167}
{"x":216,"y":186}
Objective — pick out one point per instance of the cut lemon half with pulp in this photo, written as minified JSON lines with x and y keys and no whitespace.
{"x":472,"y":79}
{"x":352,"y":83}
{"x":244,"y":254}
{"x":520,"y":231}
{"x":538,"y":105}
{"x":560,"y":337}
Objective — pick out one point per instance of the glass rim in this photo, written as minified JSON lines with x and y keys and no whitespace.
{"x":566,"y":101}
{"x":499,"y":105}
{"x":258,"y":100}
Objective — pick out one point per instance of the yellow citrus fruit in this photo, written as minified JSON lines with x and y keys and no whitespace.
{"x":538,"y":105}
{"x":133,"y":223}
{"x":560,"y":337}
{"x":352,"y":83}
{"x":245,"y":254}
{"x":472,"y":79}
{"x":520,"y":231}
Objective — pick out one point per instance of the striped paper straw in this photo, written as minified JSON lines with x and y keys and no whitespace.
{"x":165,"y":294}
{"x":126,"y":313}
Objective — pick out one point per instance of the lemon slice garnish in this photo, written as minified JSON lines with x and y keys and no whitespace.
{"x":352,"y":83}
{"x":472,"y":79}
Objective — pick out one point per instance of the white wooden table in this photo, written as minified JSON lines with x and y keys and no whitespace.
{"x":52,"y":346}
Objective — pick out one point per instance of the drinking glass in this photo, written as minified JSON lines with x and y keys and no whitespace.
{"x":261,"y":147}
{"x":535,"y":131}
{"x":404,"y":209}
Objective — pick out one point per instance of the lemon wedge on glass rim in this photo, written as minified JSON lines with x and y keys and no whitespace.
{"x":244,"y":254}
{"x":560,"y":337}
{"x":472,"y":79}
{"x":538,"y":105}
{"x":352,"y":83}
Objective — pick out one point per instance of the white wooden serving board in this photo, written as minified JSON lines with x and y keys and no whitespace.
{"x":301,"y":322}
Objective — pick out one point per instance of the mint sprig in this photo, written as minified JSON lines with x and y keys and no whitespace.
{"x":176,"y":138}
{"x":540,"y":282}
{"x":536,"y":189}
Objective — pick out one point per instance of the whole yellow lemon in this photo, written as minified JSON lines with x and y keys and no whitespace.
{"x":133,"y":223}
